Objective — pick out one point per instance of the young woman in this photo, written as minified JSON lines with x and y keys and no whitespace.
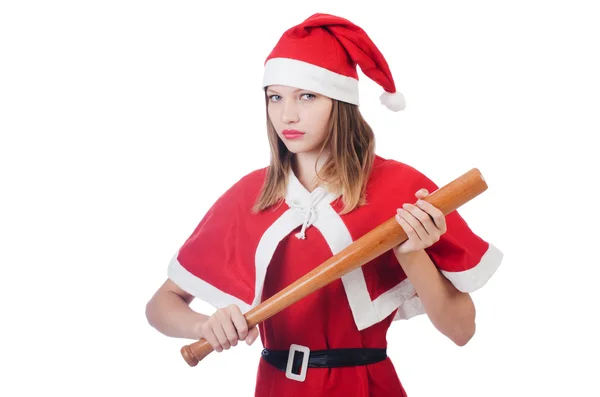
{"x":324,"y":188}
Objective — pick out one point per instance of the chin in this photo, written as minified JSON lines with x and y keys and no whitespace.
{"x":298,"y":148}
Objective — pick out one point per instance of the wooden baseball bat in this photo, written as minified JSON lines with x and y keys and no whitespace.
{"x":371,"y":245}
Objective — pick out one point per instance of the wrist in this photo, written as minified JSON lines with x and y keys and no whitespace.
{"x":408,"y":258}
{"x":200,"y":319}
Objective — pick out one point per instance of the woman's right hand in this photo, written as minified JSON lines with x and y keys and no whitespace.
{"x":225,"y":327}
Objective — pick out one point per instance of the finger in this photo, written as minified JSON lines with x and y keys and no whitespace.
{"x":252,"y":335}
{"x":413,"y":242}
{"x":436,"y":215}
{"x":422,"y":193}
{"x":230,"y":332}
{"x":408,"y":229}
{"x":240,"y":323}
{"x":211,"y":338}
{"x":221,"y":337}
{"x":425,"y":220}
{"x":412,"y":215}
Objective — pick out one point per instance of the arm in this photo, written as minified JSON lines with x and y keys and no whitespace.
{"x":452,"y":312}
{"x":168,"y":312}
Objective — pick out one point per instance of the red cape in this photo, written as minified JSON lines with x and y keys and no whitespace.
{"x":226,"y":258}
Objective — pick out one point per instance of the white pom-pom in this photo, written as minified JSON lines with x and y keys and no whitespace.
{"x":393,"y":101}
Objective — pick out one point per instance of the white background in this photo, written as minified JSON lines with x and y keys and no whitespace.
{"x":116,"y":116}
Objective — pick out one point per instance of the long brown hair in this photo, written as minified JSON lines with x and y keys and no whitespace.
{"x":352,"y":145}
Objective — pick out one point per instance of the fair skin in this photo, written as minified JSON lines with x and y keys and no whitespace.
{"x":451,"y":311}
{"x":307,"y":112}
{"x":168,"y":311}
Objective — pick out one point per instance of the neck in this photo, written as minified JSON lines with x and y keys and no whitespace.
{"x":304,"y":167}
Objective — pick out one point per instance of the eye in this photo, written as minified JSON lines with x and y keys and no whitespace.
{"x":308,"y":96}
{"x":274,"y":97}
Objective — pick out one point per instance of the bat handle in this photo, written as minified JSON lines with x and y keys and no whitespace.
{"x":195,"y":352}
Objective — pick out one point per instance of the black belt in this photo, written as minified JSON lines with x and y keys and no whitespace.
{"x":322,"y":358}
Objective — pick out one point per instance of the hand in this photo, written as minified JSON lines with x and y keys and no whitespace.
{"x":423,"y":224}
{"x":225,"y":327}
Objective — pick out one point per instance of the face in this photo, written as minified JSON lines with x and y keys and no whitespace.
{"x":300,"y":117}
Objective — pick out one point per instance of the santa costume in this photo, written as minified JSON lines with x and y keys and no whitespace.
{"x":337,"y":334}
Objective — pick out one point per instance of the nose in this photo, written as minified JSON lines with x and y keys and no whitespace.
{"x":289,"y":113}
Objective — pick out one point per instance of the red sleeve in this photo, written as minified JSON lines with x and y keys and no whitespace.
{"x":462,"y":256}
{"x":216,"y":262}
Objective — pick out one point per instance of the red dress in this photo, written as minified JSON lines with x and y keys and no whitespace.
{"x":237,"y":257}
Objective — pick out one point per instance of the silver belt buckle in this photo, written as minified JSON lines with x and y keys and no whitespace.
{"x":288,"y":371}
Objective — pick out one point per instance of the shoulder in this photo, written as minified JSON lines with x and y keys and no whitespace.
{"x":249,"y":185}
{"x":242,"y":192}
{"x":393,"y":182}
{"x":252,"y":181}
{"x":390,"y":172}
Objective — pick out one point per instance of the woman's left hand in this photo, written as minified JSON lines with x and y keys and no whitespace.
{"x":423,"y":224}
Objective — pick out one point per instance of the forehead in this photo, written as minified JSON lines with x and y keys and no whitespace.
{"x":283,"y":89}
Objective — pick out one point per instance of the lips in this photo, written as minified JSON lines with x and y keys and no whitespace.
{"x":291,"y":134}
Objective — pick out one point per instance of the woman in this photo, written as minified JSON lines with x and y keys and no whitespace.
{"x":324,"y":188}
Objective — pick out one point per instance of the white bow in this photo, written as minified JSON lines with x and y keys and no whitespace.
{"x":310,"y":213}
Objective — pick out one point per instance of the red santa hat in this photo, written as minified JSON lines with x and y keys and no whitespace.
{"x":321,"y":55}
